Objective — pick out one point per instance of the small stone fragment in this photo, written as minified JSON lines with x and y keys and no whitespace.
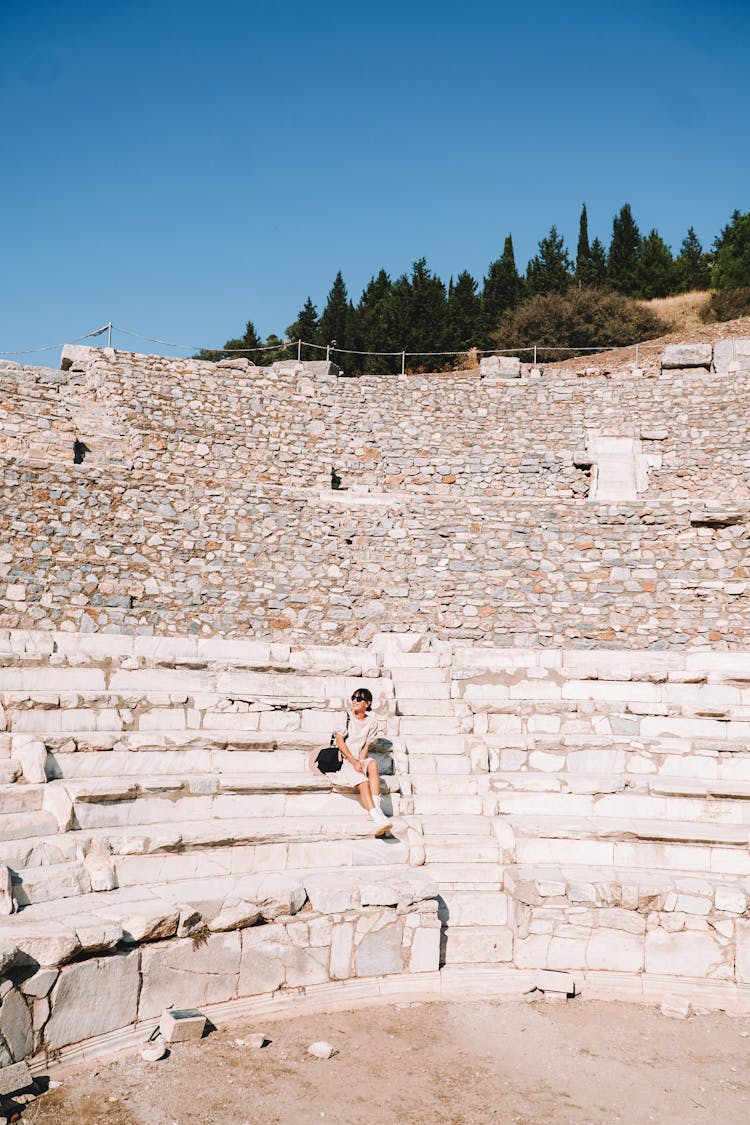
{"x":154,"y":1050}
{"x":676,"y":1008}
{"x":321,"y":1050}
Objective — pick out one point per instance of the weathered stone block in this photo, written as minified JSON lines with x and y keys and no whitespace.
{"x":379,"y":952}
{"x":15,"y":1025}
{"x":183,"y":974}
{"x":262,"y":961}
{"x":732,"y":356}
{"x":500,"y":367}
{"x":687,"y":954}
{"x":687,"y":355}
{"x":93,"y":997}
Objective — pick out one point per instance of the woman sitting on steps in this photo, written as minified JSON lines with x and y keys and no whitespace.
{"x":357,"y":770}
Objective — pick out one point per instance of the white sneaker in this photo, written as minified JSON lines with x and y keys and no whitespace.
{"x":382,"y":822}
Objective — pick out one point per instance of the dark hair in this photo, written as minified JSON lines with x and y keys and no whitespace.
{"x":363,"y":693}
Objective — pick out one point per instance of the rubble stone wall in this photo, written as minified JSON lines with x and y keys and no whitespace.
{"x":91,"y":549}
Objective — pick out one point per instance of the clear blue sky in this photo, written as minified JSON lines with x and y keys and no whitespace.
{"x":182,"y":166}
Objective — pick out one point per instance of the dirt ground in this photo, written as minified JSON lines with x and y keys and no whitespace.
{"x":443,"y":1064}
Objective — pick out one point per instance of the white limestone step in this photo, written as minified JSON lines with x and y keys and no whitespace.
{"x":185,"y":809}
{"x":482,"y":850}
{"x":473,"y":908}
{"x":476,"y":945}
{"x":20,"y":797}
{"x":50,"y":883}
{"x":628,"y":888}
{"x":430,"y":765}
{"x":9,"y":771}
{"x":426,"y":804}
{"x":657,"y":845}
{"x":460,"y":825}
{"x":465,"y":877}
{"x":239,"y":859}
{"x":463,"y":784}
{"x":635,"y":804}
{"x":434,"y":745}
{"x":26,"y":825}
{"x":52,"y":931}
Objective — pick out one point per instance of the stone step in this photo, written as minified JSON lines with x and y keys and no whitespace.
{"x":429,"y":804}
{"x":434,"y":745}
{"x":477,"y":945}
{"x":552,"y":885}
{"x":473,"y":908}
{"x":481,"y":850}
{"x":429,"y":765}
{"x":656,"y":801}
{"x":194,"y":762}
{"x":238,"y":859}
{"x":652,"y":844}
{"x":456,"y":825}
{"x":463,"y":784}
{"x":593,"y":754}
{"x":10,"y":770}
{"x":466,"y":877}
{"x":50,"y":883}
{"x":20,"y":797}
{"x":26,"y":825}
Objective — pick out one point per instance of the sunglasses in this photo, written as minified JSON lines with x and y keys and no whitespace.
{"x":357,"y":698}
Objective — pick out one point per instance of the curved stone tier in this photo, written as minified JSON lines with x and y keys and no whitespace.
{"x":165,"y":840}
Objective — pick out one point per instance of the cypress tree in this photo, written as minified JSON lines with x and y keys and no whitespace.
{"x":502,"y":290}
{"x":549,"y":271}
{"x":692,"y":265}
{"x":622,"y":264}
{"x":336,"y":316}
{"x":584,"y":271}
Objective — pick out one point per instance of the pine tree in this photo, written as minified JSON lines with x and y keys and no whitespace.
{"x":428,"y":308}
{"x":598,"y":265}
{"x":693,"y":267}
{"x":241,"y":347}
{"x":622,"y":263}
{"x":656,"y":275}
{"x":336,"y":316}
{"x":464,"y":312}
{"x":584,"y":265}
{"x":375,"y":328}
{"x":306,"y":327}
{"x":502,"y":290}
{"x":549,"y":271}
{"x":732,"y":268}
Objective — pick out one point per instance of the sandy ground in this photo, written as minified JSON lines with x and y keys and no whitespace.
{"x":443,"y":1064}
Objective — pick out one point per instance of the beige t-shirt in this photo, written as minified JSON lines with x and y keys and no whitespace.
{"x":361,"y":733}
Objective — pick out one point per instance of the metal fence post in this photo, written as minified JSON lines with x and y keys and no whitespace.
{"x":534,"y":355}
{"x":109,"y":334}
{"x":299,"y":351}
{"x":403,"y":363}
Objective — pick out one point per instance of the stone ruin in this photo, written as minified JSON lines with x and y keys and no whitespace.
{"x":543,"y":578}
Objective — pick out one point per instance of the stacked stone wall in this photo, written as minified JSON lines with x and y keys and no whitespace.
{"x":93,"y":550}
{"x":437,"y":434}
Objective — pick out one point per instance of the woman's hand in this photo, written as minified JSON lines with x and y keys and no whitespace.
{"x":360,"y":766}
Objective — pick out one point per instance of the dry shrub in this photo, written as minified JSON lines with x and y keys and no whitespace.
{"x":682,"y":312}
{"x":577,"y":320}
{"x":727,"y":304}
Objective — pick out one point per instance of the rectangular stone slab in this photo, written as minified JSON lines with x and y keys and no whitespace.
{"x":15,"y":1077}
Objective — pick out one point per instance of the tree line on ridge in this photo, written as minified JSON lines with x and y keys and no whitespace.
{"x":417,"y":312}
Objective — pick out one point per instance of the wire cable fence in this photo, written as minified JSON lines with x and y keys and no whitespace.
{"x":332,"y":349}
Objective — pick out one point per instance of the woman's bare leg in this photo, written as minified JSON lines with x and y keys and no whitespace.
{"x":365,"y":796}
{"x":373,"y":774}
